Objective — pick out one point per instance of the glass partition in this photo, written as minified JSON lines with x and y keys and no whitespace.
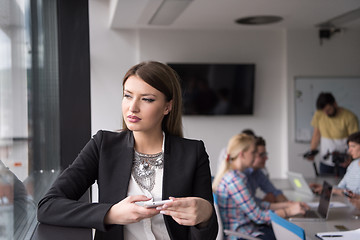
{"x":29,"y":111}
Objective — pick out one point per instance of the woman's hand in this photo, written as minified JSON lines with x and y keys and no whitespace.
{"x":126,"y":211}
{"x":296,"y":208}
{"x":338,"y":191}
{"x":189,"y":211}
{"x":316,"y":188}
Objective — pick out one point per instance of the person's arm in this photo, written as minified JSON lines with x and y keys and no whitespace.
{"x":247,"y":204}
{"x":203,"y":196}
{"x":315,"y":140}
{"x":126,"y":211}
{"x":272,"y":193}
{"x":347,"y":177}
{"x":188,"y":211}
{"x":269,"y":197}
{"x":288,"y":209}
{"x":196,"y":211}
{"x":316,"y":187}
{"x":60,"y":206}
{"x":281,"y":198}
{"x":338,"y":191}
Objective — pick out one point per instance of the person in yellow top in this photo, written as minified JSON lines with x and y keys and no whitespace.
{"x":332,"y":125}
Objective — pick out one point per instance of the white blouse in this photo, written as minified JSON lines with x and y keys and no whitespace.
{"x":149,"y":228}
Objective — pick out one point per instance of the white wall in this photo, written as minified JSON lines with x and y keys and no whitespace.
{"x":112,"y":53}
{"x":265,"y":49}
{"x":340,"y":56}
{"x":278,"y":55}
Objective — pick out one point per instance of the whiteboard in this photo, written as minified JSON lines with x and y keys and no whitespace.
{"x":346,"y":91}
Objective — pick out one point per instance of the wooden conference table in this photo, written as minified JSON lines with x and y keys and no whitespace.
{"x":347,"y":216}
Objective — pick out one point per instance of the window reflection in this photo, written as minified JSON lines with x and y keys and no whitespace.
{"x":17,"y":207}
{"x":29,"y":129}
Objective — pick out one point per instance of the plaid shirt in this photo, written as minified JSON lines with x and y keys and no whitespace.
{"x":238,"y":209}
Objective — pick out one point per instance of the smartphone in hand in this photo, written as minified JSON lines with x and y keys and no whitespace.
{"x":152,"y":204}
{"x":348,"y":194}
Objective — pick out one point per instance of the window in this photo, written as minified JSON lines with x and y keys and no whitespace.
{"x":29,"y":112}
{"x":44,"y":115}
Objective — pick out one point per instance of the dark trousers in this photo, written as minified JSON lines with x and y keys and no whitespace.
{"x":268,"y":233}
{"x":329,"y":170}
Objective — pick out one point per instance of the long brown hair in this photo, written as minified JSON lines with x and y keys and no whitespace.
{"x":163,"y":78}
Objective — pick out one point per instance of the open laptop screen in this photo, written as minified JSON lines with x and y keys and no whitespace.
{"x":325,"y":199}
{"x":299,"y":183}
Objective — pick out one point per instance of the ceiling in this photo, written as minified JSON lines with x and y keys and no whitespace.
{"x":221,"y":14}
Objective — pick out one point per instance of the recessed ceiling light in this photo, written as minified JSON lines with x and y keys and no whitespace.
{"x":259,"y":20}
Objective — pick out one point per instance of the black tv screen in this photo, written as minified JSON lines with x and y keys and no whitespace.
{"x":216,"y":89}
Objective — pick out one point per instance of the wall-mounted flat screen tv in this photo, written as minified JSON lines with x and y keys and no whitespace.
{"x":216,"y":89}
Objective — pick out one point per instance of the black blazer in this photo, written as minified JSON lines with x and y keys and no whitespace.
{"x":107,"y":159}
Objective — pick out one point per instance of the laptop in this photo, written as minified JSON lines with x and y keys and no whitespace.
{"x":299,"y":183}
{"x":322,"y":211}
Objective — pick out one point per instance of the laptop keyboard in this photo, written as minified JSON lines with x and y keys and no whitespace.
{"x":311,"y":214}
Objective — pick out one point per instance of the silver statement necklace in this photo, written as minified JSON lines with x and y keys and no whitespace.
{"x":144,"y":166}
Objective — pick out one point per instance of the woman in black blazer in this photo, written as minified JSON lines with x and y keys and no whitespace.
{"x":148,"y":160}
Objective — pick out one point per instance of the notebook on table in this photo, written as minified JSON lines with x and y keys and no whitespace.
{"x":352,"y":234}
{"x":321,"y":213}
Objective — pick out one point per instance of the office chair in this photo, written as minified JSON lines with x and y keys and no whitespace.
{"x":285,"y":230}
{"x":227,"y":232}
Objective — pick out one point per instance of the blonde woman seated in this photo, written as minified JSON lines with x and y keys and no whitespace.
{"x":238,"y":209}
